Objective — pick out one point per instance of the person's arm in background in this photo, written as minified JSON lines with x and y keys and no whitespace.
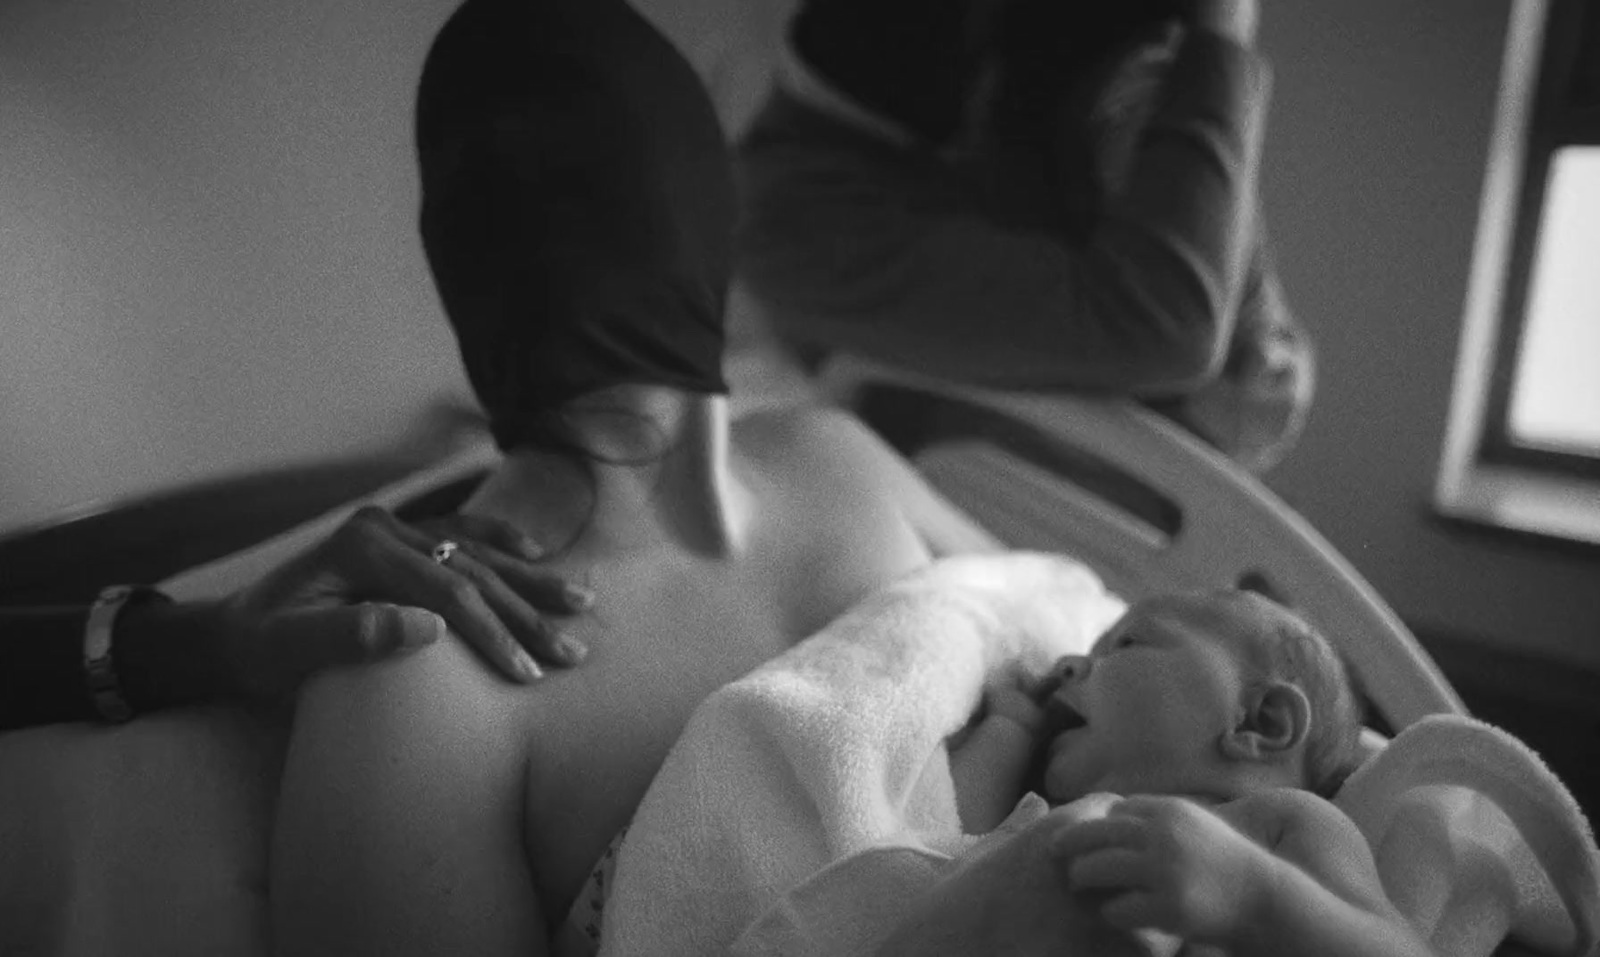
{"x":1257,"y":406}
{"x":914,"y":62}
{"x":859,"y":245}
{"x":339,"y":602}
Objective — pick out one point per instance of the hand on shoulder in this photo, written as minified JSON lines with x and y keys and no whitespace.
{"x":378,"y":586}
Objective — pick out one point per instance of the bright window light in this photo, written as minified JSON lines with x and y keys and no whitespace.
{"x":1555,"y":403}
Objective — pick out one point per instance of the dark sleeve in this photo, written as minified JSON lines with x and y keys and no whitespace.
{"x":41,"y":667}
{"x":913,"y":61}
{"x":852,"y":244}
{"x":164,"y":656}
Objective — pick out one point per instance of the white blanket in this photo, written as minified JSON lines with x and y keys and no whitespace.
{"x":1477,"y":841}
{"x":835,"y":748}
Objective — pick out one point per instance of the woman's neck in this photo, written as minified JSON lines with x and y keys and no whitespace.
{"x":662,"y":475}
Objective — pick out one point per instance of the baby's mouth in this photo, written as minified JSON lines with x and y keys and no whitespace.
{"x":1059,"y":716}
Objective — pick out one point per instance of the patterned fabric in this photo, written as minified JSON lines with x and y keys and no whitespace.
{"x":579,"y":935}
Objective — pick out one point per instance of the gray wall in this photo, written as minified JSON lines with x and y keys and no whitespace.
{"x":206,"y":240}
{"x":1379,"y":132}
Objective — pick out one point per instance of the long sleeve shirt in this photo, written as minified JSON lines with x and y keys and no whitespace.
{"x":164,"y":656}
{"x":857,"y":237}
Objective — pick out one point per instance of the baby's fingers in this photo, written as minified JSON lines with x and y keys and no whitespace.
{"x":1137,"y":910}
{"x":1111,"y":869}
{"x":1014,"y":703}
{"x":1100,"y":834}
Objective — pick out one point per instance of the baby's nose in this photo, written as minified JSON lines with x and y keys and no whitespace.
{"x":1070,"y":668}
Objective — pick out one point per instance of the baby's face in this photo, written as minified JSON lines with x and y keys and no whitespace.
{"x":1143,"y":712}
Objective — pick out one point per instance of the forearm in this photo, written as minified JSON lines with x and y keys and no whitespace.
{"x":860,"y":247}
{"x":989,"y":769}
{"x":1296,"y":911}
{"x":1185,"y":207}
{"x":163,"y":655}
{"x":910,"y":61}
{"x":1156,"y":274}
{"x":41,"y":667}
{"x":169,"y":656}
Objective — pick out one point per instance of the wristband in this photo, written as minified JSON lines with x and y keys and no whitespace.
{"x":99,"y":671}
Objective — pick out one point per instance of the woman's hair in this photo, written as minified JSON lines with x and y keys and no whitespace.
{"x":577,"y":208}
{"x":1297,"y":653}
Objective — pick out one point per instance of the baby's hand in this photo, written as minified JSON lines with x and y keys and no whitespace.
{"x":1010,"y":701}
{"x":1167,"y":864}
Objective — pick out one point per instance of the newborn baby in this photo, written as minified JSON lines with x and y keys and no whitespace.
{"x":1188,"y":756}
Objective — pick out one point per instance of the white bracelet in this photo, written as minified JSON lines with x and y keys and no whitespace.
{"x":101,"y":674}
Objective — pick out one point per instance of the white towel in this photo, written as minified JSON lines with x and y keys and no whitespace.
{"x":837,"y":747}
{"x":1476,"y":839}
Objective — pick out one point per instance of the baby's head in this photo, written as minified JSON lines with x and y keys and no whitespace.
{"x":1212,"y":695}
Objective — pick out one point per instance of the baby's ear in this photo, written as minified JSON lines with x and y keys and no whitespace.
{"x":1277,"y":718}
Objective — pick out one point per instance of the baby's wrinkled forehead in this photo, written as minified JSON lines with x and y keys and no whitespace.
{"x":1204,"y":609}
{"x":1227,"y":614}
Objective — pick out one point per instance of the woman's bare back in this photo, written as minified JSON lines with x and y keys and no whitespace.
{"x":671,"y":627}
{"x":428,"y":806}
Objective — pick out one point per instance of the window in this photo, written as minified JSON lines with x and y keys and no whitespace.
{"x":1523,"y":449}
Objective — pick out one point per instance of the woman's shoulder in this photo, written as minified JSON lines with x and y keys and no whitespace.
{"x":821,"y":450}
{"x":826,"y":455}
{"x":810,"y":431}
{"x":442,"y":685}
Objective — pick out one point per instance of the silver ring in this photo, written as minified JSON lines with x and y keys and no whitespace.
{"x":443,"y":551}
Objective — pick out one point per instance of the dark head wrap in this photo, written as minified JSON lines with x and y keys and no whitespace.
{"x":577,"y":205}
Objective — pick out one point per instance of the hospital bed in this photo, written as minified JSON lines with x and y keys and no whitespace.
{"x":1148,"y":507}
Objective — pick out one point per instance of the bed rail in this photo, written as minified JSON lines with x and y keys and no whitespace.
{"x":1149,"y":506}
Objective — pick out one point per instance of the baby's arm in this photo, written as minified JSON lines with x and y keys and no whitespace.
{"x":1323,"y":891}
{"x":1273,"y":872}
{"x":990,"y":766}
